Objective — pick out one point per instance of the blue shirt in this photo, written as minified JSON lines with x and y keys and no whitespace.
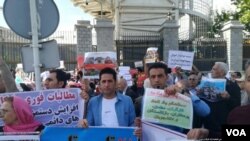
{"x":200,"y":107}
{"x":124,"y":110}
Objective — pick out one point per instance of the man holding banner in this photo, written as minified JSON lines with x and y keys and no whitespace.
{"x":58,"y":79}
{"x":158,"y":75}
{"x":225,"y":102}
{"x":109,"y":109}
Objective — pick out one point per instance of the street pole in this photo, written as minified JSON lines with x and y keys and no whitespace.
{"x":35,"y":44}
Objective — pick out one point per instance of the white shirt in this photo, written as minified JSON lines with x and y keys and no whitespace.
{"x":109,"y":117}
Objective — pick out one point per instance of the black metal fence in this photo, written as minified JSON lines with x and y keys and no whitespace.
{"x":130,"y":48}
{"x":133,"y":48}
{"x":10,"y":47}
{"x":246,"y":51}
{"x":207,"y":51}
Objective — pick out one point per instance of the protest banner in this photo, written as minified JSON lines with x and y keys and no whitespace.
{"x":21,"y":136}
{"x":210,"y":89}
{"x":88,"y":134}
{"x":184,"y":59}
{"x":55,"y":107}
{"x":95,"y":61}
{"x":174,"y":110}
{"x":152,"y":132}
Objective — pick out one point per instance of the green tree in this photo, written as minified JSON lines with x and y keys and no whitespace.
{"x":242,"y":14}
{"x":243,"y":11}
{"x":219,"y":20}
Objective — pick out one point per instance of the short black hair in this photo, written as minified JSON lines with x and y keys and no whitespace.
{"x":108,"y":71}
{"x":61,"y":76}
{"x":159,"y":65}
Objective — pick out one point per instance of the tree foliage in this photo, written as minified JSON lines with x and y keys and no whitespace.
{"x":242,"y":14}
{"x":243,"y":10}
{"x":219,"y":20}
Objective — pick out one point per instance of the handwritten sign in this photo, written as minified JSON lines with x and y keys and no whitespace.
{"x":210,"y":88}
{"x":95,"y":61}
{"x":124,"y":73}
{"x":183,"y":59}
{"x":57,"y":107}
{"x":88,"y":134}
{"x":138,"y":64}
{"x":173,"y":110}
{"x":152,"y":132}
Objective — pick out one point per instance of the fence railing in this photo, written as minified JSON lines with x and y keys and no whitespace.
{"x":207,"y":51}
{"x":246,"y":50}
{"x":10,"y":47}
{"x":133,"y":48}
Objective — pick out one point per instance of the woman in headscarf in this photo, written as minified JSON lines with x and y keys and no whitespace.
{"x":17,"y":116}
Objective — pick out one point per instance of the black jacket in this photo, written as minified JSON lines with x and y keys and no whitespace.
{"x":221,"y":109}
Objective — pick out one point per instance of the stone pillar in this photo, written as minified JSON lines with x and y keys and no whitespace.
{"x":1,"y":43}
{"x":169,"y":32}
{"x":84,"y":37}
{"x":104,"y":34}
{"x":232,"y":32}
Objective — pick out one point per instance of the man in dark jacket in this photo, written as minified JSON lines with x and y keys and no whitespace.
{"x":122,"y":87}
{"x":220,"y":109}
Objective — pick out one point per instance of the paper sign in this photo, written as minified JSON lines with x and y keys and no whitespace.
{"x":210,"y":89}
{"x":96,"y":61}
{"x":173,"y":110}
{"x":124,"y":68}
{"x":152,"y":132}
{"x":183,"y":59}
{"x":57,"y":107}
{"x":138,"y":64}
{"x":125,"y":74}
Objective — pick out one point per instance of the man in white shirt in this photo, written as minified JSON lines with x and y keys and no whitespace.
{"x":109,"y":109}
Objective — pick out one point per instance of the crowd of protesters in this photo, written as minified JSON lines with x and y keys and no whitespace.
{"x":112,"y":103}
